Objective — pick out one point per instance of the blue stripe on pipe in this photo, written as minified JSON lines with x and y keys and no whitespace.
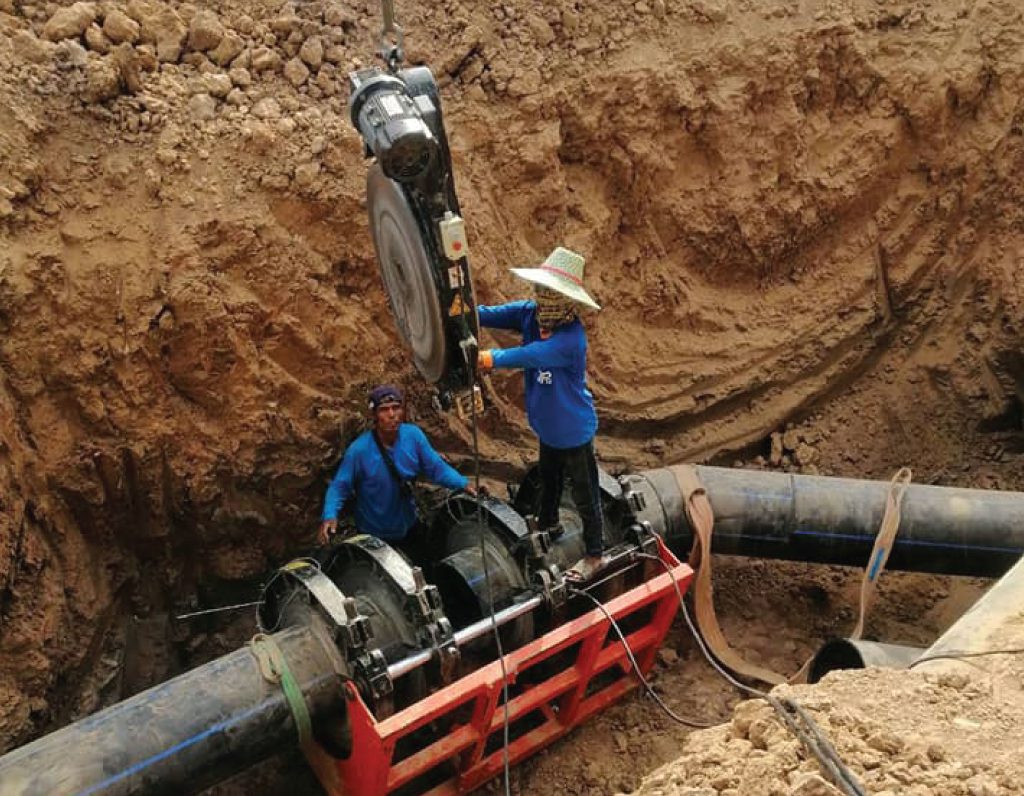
{"x":915,"y":542}
{"x":155,"y":693}
{"x":137,"y":767}
{"x":781,"y":540}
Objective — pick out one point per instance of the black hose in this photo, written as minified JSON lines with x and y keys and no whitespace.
{"x":810,"y":734}
{"x":636,"y":666}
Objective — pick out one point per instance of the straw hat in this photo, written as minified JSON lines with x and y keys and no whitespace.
{"x":561,"y":271}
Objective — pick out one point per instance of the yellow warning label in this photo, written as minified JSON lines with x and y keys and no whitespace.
{"x":458,"y":307}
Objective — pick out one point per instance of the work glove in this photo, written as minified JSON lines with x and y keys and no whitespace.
{"x":485,"y":361}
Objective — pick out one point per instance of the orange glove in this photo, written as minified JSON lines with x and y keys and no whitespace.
{"x":484,"y":361}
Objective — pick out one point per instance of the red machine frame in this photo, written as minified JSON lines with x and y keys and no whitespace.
{"x":572,"y":689}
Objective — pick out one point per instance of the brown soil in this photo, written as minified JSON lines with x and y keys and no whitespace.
{"x":803,"y":218}
{"x":900,"y":732}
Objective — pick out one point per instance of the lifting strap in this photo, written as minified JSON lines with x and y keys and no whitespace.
{"x":883,"y":545}
{"x":701,"y":518}
{"x":274,"y":669}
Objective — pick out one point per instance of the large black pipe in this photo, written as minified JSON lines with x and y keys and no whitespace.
{"x":219,"y":719}
{"x":854,"y":653}
{"x":183,"y":735}
{"x":834,"y":520}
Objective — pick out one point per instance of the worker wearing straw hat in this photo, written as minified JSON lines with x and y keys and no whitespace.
{"x":559,"y":406}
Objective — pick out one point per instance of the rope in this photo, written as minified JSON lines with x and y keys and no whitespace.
{"x":701,"y":518}
{"x":274,"y":668}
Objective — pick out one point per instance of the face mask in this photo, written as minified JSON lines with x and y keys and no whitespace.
{"x":553,"y":308}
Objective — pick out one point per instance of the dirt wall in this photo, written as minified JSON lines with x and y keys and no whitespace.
{"x":802,"y":218}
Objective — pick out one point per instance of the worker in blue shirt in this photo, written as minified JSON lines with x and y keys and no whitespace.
{"x":559,"y":406}
{"x":378,"y":470}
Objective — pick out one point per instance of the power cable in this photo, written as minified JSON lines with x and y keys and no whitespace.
{"x":958,"y":655}
{"x":636,"y":666}
{"x":792,"y":714}
{"x":506,"y":765}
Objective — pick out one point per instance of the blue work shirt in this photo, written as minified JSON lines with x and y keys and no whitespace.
{"x":381,"y":508}
{"x":559,"y":406}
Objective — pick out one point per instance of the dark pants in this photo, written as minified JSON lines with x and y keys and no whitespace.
{"x":580,"y":466}
{"x":416,"y":546}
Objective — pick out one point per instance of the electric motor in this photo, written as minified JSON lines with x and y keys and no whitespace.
{"x":391,"y":122}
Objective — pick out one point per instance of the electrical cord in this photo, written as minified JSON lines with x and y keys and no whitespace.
{"x":636,"y":666}
{"x":789,"y":711}
{"x":958,"y":655}
{"x":506,"y":765}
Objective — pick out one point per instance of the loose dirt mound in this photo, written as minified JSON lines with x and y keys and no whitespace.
{"x":900,"y":732}
{"x":794,"y":213}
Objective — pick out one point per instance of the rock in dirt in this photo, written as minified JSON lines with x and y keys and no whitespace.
{"x":103,"y":80}
{"x":96,"y":41}
{"x":813,"y":785}
{"x":205,"y":31}
{"x":231,"y":46}
{"x":71,"y":22}
{"x":119,"y":27}
{"x":296,"y":72}
{"x":202,"y":107}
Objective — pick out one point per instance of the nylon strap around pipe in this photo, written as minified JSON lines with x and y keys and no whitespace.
{"x":701,"y":518}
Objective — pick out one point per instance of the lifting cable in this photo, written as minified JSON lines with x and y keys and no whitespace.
{"x":469,"y":352}
{"x":392,"y":38}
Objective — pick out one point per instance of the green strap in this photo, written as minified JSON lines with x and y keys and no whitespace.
{"x":274,"y":669}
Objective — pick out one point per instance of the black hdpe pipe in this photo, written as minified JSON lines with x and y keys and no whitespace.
{"x":183,"y":735}
{"x":851,"y":653}
{"x":834,"y":520}
{"x":981,"y":638}
{"x":212,"y":722}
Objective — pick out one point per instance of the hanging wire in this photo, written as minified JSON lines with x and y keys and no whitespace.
{"x":700,"y":725}
{"x":473,"y":387}
{"x":223,"y":608}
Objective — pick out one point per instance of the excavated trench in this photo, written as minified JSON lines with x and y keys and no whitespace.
{"x":803,"y":220}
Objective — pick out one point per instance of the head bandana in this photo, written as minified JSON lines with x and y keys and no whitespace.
{"x":385,"y":393}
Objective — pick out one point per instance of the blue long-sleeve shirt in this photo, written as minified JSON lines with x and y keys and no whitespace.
{"x":381,"y":508}
{"x":559,"y":406}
